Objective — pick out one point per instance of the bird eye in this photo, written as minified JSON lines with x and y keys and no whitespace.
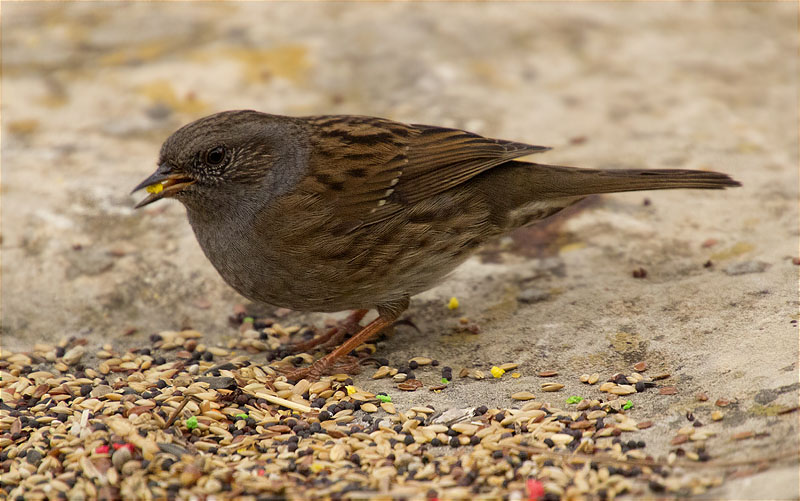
{"x":215,"y":156}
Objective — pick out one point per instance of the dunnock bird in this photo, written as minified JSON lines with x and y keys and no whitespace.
{"x":327,"y":213}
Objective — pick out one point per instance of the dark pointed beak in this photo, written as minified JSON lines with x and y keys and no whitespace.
{"x":163,"y":183}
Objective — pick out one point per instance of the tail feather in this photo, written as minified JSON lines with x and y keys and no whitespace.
{"x":558,"y":181}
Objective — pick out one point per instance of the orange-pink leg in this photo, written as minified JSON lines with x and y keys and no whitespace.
{"x":322,"y":365}
{"x":334,"y":335}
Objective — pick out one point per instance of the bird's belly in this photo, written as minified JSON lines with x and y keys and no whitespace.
{"x":313,"y":266}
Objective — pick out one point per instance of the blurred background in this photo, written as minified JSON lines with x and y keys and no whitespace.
{"x":90,"y":90}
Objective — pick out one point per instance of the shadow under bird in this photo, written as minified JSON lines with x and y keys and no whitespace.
{"x":328,"y":213}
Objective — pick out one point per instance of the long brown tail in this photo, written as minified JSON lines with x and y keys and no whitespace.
{"x":557,"y":181}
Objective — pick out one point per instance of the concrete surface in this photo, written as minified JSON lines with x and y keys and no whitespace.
{"x":90,"y":90}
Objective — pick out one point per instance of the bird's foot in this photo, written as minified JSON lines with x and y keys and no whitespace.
{"x":333,"y":337}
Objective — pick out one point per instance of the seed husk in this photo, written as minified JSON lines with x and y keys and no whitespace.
{"x":369,"y":407}
{"x":523,"y":395}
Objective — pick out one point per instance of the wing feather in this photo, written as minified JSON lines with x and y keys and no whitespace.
{"x":368,"y":168}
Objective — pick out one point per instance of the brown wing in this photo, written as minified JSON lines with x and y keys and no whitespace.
{"x":370,"y":167}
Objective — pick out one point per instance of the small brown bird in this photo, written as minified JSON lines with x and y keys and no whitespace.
{"x":327,"y":213}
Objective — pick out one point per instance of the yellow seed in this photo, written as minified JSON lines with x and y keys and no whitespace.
{"x":497,"y":372}
{"x":155,"y":188}
{"x":515,"y":375}
{"x":350,"y":389}
{"x":453,"y":304}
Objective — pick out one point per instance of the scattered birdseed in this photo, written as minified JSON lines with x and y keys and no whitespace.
{"x":640,"y":366}
{"x":574,"y":399}
{"x":169,"y":423}
{"x":552,"y":386}
{"x":453,"y":304}
{"x":717,"y":416}
{"x":523,"y":395}
{"x":497,"y":372}
{"x":721,"y":402}
{"x":667,"y":390}
{"x":594,"y":378}
{"x":516,"y":375}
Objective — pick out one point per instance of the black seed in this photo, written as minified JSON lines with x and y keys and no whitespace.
{"x":454,"y":442}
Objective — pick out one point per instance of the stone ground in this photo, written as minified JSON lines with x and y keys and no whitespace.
{"x":90,"y":90}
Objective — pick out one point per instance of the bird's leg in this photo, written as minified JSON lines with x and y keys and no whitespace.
{"x":334,"y":335}
{"x":322,"y":365}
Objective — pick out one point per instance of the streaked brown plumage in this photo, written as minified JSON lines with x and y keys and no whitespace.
{"x":329,"y":213}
